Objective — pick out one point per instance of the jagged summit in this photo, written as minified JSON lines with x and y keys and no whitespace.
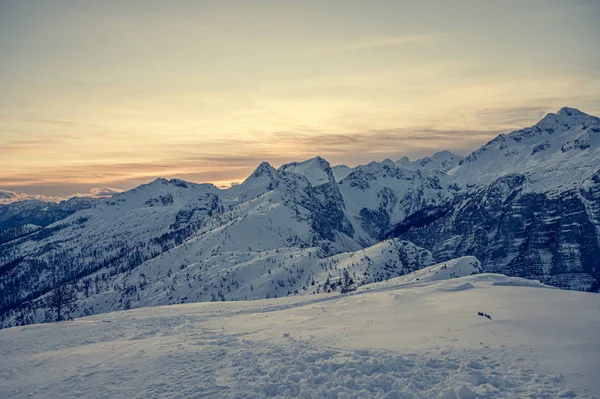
{"x":158,"y":181}
{"x":316,"y":170}
{"x":262,"y":169}
{"x":264,"y":178}
{"x":441,"y":161}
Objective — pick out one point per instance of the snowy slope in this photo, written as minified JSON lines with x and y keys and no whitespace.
{"x":460,"y":267}
{"x":403,"y":341}
{"x":173,"y":241}
{"x":203,"y":269}
{"x":340,"y":171}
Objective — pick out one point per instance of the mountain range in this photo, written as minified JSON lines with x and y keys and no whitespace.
{"x":526,"y":204}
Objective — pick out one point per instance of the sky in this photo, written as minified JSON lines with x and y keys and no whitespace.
{"x":101,"y":96}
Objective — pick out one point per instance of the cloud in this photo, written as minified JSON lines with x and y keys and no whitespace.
{"x":103,"y":191}
{"x":513,"y":116}
{"x":7,"y":196}
{"x":225,"y":159}
{"x":392,"y":143}
{"x":210,"y":163}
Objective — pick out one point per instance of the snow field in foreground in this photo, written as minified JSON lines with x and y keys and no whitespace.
{"x":420,"y":340}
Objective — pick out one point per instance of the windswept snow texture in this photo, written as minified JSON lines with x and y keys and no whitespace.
{"x":411,"y":339}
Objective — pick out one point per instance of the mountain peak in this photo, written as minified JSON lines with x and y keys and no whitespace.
{"x":340,"y":171}
{"x":561,"y":142}
{"x":388,"y":162}
{"x":321,"y":162}
{"x":158,"y":181}
{"x":444,"y":154}
{"x":264,"y":178}
{"x":263,"y":168}
{"x":317,"y":170}
{"x":566,"y":117}
{"x":567,"y":111}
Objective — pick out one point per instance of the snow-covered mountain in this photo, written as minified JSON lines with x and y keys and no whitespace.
{"x":558,"y":152}
{"x":533,"y":209}
{"x":526,"y":204}
{"x":171,"y":241}
{"x":40,"y":213}
{"x":381,"y":194}
{"x":24,"y":217}
{"x":442,"y":161}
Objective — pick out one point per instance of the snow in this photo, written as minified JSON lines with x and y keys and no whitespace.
{"x":460,"y":267}
{"x":441,"y":161}
{"x":403,"y":340}
{"x":340,"y":171}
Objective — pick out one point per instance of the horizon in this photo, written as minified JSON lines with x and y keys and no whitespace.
{"x":106,"y":96}
{"x":8,"y":196}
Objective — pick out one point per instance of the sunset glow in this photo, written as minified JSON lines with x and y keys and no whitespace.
{"x":112,"y":94}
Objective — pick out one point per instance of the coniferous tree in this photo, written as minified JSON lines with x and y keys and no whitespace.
{"x":61,"y":300}
{"x":347,"y":282}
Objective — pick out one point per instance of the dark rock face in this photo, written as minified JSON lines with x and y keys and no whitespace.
{"x":323,"y":201}
{"x":202,"y":207}
{"x":374,"y":221}
{"x":552,"y":238}
{"x":327,"y":207}
{"x":390,"y":193}
{"x":377,"y":221}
